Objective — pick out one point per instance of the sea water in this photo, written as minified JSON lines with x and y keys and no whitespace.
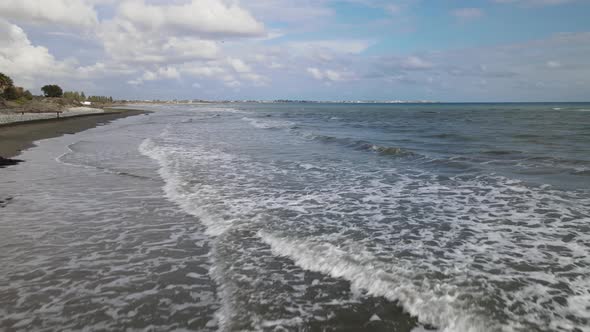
{"x":309,"y":217}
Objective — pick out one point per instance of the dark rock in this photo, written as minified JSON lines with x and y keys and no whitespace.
{"x":8,"y":162}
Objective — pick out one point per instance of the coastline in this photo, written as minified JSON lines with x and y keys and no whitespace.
{"x":18,"y":136}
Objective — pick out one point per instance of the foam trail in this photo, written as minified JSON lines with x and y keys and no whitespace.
{"x":439,"y":306}
{"x":174,"y":191}
{"x":188,"y":201}
{"x":269,"y":124}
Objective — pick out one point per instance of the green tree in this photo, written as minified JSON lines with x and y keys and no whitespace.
{"x":5,"y":82}
{"x":72,"y":95}
{"x":52,"y":91}
{"x":100,"y":99}
{"x":83,"y":96}
{"x":11,"y":93}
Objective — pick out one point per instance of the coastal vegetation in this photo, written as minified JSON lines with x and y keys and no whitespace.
{"x":9,"y":91}
{"x":16,"y":99}
{"x":5,"y":82}
{"x":75,"y":95}
{"x":53,"y":91}
{"x":100,"y":99}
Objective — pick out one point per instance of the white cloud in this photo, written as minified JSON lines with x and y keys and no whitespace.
{"x":33,"y":65}
{"x":308,"y":11}
{"x":225,"y":44}
{"x":61,"y":12}
{"x":25,"y":62}
{"x":149,"y":76}
{"x":239,"y":65}
{"x":230,"y":71}
{"x":190,"y":48}
{"x":200,"y":17}
{"x":553,"y":64}
{"x":169,"y":73}
{"x":203,"y":70}
{"x":315,"y":73}
{"x":414,"y":63}
{"x":178,"y":38}
{"x":467,"y":13}
{"x":125,"y":42}
{"x":257,"y":79}
{"x":246,"y":72}
{"x":511,"y":71}
{"x":231,"y":82}
{"x":348,"y":46}
{"x":330,"y":75}
{"x":160,"y":73}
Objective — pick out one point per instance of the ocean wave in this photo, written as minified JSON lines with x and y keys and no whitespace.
{"x":556,"y":161}
{"x":269,"y":124}
{"x":442,"y":306}
{"x":360,"y":145}
{"x":447,"y":275}
{"x":581,"y":172}
{"x":385,"y":150}
{"x":462,"y":253}
{"x":176,"y":188}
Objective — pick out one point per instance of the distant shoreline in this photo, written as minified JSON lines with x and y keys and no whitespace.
{"x":183,"y":102}
{"x":18,"y":136}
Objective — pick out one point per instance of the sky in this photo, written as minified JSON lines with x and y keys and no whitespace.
{"x":439,"y":50}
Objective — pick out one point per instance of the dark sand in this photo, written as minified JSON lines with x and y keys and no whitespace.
{"x":16,"y":137}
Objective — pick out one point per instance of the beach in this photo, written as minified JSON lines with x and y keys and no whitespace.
{"x":17,"y":136}
{"x":302,"y":217}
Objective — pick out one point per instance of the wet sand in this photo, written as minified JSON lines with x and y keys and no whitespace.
{"x":16,"y":137}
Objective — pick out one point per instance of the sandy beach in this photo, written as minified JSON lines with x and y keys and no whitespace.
{"x":18,"y":136}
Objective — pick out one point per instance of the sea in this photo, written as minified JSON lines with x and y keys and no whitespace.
{"x":304,"y":217}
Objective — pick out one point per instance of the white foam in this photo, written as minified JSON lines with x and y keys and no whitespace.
{"x":269,"y":124}
{"x":173,"y":187}
{"x":456,"y":234}
{"x":440,"y":306}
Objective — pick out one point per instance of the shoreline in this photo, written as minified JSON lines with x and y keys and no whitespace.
{"x":19,"y":136}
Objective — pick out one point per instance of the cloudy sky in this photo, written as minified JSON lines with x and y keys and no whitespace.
{"x":446,"y":50}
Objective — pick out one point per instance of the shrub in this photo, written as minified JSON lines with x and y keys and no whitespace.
{"x":13,"y":93}
{"x":28,"y":95}
{"x":74,"y":95}
{"x":5,"y":82}
{"x":52,"y":91}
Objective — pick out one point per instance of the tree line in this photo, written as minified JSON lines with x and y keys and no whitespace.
{"x":80,"y":96}
{"x":9,"y":91}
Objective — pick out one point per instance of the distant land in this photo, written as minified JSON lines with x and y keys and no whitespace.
{"x":286,"y":101}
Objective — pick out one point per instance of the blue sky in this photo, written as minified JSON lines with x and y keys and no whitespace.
{"x":455,"y":50}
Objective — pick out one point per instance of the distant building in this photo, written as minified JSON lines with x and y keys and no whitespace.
{"x":86,"y":103}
